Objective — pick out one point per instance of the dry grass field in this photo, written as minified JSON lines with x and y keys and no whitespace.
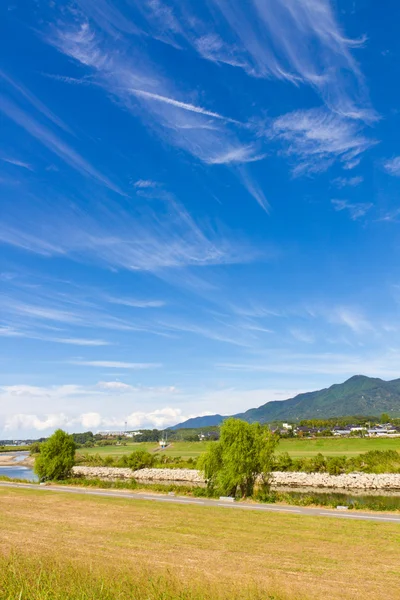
{"x":167,"y":552}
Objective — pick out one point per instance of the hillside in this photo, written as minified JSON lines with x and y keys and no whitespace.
{"x":359,"y":395}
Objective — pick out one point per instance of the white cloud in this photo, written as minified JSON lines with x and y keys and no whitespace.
{"x":145,"y":183}
{"x":204,"y":133}
{"x":90,"y":420}
{"x":353,"y":319}
{"x":80,"y":342}
{"x":300,"y":42}
{"x":136,"y":302}
{"x":302,"y":336}
{"x":115,"y":364}
{"x":392,"y":166}
{"x":159,"y":418}
{"x":33,"y":422}
{"x":374,"y":364}
{"x":17,"y":163}
{"x":47,"y":313}
{"x":174,"y":241}
{"x":240,"y":154}
{"x":342,"y":182}
{"x":179,"y":104}
{"x":34,"y":101}
{"x":8,"y":331}
{"x":115,"y":385}
{"x":316,"y":138}
{"x":49,"y":139}
{"x":356,"y":210}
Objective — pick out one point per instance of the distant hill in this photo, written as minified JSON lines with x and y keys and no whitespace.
{"x":359,"y":395}
{"x":196,"y":422}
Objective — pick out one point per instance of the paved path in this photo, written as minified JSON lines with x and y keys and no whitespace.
{"x":314,"y":512}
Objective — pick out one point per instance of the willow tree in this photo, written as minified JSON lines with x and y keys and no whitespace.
{"x":56,"y":458}
{"x":241,"y":458}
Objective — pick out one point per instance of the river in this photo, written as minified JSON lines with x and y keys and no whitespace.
{"x":15,"y":470}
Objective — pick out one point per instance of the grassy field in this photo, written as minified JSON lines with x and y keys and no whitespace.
{"x":183,"y":449}
{"x":295,"y":447}
{"x":118,"y":548}
{"x":336,"y":447}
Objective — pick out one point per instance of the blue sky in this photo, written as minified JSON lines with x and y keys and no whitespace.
{"x":199,"y":206}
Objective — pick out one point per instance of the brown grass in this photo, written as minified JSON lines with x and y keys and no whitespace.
{"x":300,"y":556}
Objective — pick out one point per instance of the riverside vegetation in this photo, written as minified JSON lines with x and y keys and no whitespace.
{"x":232,"y":466}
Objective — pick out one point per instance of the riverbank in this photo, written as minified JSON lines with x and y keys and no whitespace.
{"x":11,"y":459}
{"x":282,"y":479}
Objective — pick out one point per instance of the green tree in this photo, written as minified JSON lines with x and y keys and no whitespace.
{"x":385,"y":418}
{"x":35,"y":447}
{"x":56,"y":458}
{"x":242,"y":457}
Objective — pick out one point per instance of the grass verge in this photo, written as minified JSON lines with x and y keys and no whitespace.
{"x":62,"y":546}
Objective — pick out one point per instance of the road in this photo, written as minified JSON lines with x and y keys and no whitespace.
{"x":314,"y":512}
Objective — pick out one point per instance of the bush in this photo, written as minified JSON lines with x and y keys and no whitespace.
{"x":56,"y":458}
{"x":141,"y":459}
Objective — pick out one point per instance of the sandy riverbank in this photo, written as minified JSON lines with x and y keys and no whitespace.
{"x":11,"y":459}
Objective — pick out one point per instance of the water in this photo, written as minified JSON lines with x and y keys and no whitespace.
{"x":16,"y":470}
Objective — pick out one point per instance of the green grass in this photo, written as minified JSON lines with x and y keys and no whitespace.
{"x":183,"y":449}
{"x":298,"y":448}
{"x":295,"y":447}
{"x":14,"y":448}
{"x":23,"y":578}
{"x":58,"y":546}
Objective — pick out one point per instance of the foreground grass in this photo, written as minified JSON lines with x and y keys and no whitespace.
{"x":84,"y":546}
{"x":23,"y":578}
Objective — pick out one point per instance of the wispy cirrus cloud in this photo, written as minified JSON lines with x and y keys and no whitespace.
{"x":16,"y":162}
{"x":356,"y":210}
{"x":205,"y":133}
{"x":316,"y":138}
{"x":173,"y":241}
{"x":115,"y":364}
{"x":136,"y":302}
{"x":298,"y":42}
{"x":80,"y":342}
{"x":392,"y":166}
{"x":145,"y":183}
{"x":342,"y":182}
{"x":21,"y":91}
{"x":54,"y":143}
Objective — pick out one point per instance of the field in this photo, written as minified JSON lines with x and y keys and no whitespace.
{"x":336,"y":446}
{"x":295,"y":447}
{"x":183,"y":449}
{"x":164,"y":552}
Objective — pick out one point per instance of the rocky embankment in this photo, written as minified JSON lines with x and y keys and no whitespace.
{"x":156,"y":475}
{"x":350,"y":481}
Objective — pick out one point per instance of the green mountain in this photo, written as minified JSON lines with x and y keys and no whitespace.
{"x":359,"y":395}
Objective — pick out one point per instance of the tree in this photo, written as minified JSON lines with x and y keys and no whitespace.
{"x":385,"y":418}
{"x":35,"y":447}
{"x":242,"y":456}
{"x":56,"y":458}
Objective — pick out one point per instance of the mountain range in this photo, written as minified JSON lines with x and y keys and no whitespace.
{"x":359,"y":395}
